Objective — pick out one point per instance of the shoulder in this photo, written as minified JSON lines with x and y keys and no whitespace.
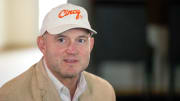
{"x":22,"y":78}
{"x":95,"y":81}
{"x":100,"y":89}
{"x":17,"y":85}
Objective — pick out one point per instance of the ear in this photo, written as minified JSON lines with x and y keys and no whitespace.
{"x":41,"y":44}
{"x":91,"y":43}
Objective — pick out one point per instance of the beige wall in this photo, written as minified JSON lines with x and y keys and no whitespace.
{"x":20,"y":23}
{"x":2,"y":29}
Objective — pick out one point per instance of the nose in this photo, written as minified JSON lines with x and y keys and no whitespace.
{"x":72,"y":49}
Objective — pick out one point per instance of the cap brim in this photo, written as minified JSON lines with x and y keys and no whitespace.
{"x":61,"y":29}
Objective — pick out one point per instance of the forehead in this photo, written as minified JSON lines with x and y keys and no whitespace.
{"x":76,"y":31}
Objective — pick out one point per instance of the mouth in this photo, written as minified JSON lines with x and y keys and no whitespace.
{"x":70,"y":61}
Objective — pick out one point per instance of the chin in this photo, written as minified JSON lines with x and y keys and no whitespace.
{"x":69,"y":75}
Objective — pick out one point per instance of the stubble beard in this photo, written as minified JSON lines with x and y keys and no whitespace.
{"x":63,"y":75}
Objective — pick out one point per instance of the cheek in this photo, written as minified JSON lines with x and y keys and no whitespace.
{"x":85,"y":58}
{"x":54,"y":56}
{"x":84,"y":53}
{"x":52,"y":51}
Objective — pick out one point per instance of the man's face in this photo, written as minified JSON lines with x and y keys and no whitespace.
{"x":67,"y":54}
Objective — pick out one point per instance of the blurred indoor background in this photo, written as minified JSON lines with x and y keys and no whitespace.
{"x":136,"y":50}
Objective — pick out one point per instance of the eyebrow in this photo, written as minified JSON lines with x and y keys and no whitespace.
{"x":81,"y":36}
{"x":60,"y":35}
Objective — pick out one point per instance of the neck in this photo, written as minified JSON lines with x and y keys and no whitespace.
{"x":70,"y":83}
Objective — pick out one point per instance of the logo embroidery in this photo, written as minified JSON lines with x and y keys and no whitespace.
{"x":64,"y":13}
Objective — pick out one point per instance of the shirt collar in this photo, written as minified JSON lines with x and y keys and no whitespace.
{"x":55,"y":81}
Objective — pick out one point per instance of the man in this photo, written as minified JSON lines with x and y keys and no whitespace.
{"x":66,"y":42}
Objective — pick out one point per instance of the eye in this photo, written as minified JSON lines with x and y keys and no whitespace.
{"x":81,"y":40}
{"x":61,"y":40}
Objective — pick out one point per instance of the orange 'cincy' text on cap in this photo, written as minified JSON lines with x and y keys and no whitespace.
{"x":64,"y":13}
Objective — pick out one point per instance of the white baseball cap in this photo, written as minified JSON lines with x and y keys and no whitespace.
{"x":65,"y":17}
